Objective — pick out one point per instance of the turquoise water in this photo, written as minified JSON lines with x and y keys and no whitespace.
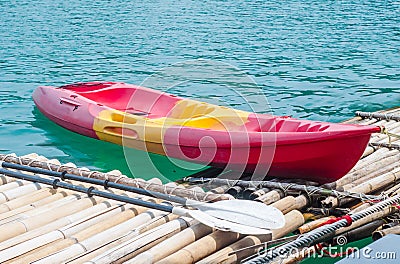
{"x":320,"y":60}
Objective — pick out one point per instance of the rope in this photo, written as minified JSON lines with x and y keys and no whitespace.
{"x":384,"y":145}
{"x":119,"y":178}
{"x":93,"y":172}
{"x":389,"y":135}
{"x":348,"y":219}
{"x":379,"y":116}
{"x":31,"y":161}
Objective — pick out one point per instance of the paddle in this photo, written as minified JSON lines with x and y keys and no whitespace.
{"x":244,"y":217}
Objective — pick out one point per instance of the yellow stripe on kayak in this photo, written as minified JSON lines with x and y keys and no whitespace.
{"x":146,"y":134}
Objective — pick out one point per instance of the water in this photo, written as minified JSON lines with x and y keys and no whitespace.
{"x":320,"y":60}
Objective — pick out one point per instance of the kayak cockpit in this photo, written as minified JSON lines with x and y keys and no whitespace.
{"x":167,"y":109}
{"x":130,"y":99}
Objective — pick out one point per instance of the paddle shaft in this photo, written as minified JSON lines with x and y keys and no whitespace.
{"x":105,"y":183}
{"x":91,"y":191}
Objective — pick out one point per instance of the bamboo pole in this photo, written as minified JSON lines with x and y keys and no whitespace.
{"x":286,"y":204}
{"x":386,"y":169}
{"x":217,"y":240}
{"x":313,"y":224}
{"x":271,"y":197}
{"x":379,"y":154}
{"x":376,"y":183}
{"x":220,"y":189}
{"x":18,"y":227}
{"x":258,"y":193}
{"x":172,"y":244}
{"x":384,"y":138}
{"x":290,"y":203}
{"x":368,"y":186}
{"x":101,"y":239}
{"x":235,"y":191}
{"x":354,"y":120}
{"x":368,"y":122}
{"x":5,"y":180}
{"x":388,"y":225}
{"x":89,"y":255}
{"x":26,"y":199}
{"x":311,"y":216}
{"x":201,"y":196}
{"x":393,"y":190}
{"x":36,"y":208}
{"x":11,"y":185}
{"x":368,"y":151}
{"x":57,"y":224}
{"x":359,"y":207}
{"x":392,"y":230}
{"x":202,"y":248}
{"x":293,"y":220}
{"x":367,"y":172}
{"x":296,"y":257}
{"x":75,"y":232}
{"x":389,"y":124}
{"x":370,"y":218}
{"x":139,"y":244}
{"x":20,"y":191}
{"x":223,"y":255}
{"x":195,"y":189}
{"x":248,"y":192}
{"x":301,"y":202}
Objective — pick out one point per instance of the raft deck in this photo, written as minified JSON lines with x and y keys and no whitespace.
{"x":45,"y":225}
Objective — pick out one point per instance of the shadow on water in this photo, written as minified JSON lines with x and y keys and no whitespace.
{"x":104,"y":156}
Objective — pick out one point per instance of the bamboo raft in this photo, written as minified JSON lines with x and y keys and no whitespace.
{"x":40,"y":224}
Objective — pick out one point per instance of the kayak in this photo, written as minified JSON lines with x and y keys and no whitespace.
{"x":199,"y":132}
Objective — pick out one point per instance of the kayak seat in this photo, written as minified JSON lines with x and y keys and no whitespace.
{"x":86,"y":87}
{"x":131,"y":100}
{"x":186,"y":109}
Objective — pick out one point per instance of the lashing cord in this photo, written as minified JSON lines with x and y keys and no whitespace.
{"x":389,"y":134}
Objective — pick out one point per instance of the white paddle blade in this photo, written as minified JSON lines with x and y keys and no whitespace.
{"x":244,"y":212}
{"x":225,"y":225}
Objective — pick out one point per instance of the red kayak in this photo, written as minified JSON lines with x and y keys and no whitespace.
{"x":203,"y":133}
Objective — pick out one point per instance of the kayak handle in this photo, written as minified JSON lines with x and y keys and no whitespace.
{"x":70,"y":102}
{"x":121,"y":132}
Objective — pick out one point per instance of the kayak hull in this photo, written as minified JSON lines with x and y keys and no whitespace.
{"x":165,"y":124}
